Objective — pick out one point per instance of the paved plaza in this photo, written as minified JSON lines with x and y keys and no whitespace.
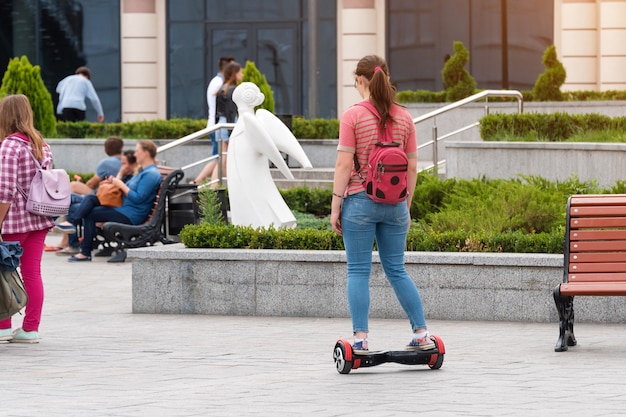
{"x":96,"y":358}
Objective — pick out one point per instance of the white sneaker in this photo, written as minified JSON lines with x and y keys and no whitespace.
{"x":6,"y":335}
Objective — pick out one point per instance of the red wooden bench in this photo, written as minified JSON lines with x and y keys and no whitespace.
{"x":594,"y":256}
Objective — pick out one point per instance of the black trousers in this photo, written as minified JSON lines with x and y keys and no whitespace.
{"x":72,"y":115}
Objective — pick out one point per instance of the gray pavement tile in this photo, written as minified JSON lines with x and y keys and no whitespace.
{"x":96,"y":358}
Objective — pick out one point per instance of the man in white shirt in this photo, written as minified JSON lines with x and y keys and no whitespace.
{"x":73,"y":91}
{"x":211,"y":94}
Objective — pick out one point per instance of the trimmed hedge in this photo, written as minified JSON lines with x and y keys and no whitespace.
{"x":525,"y":215}
{"x":177,"y":128}
{"x":426,"y":96}
{"x":553,"y":127}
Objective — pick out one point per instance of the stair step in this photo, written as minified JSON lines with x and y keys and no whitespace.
{"x":301,"y":173}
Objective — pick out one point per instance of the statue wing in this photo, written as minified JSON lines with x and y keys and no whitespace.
{"x":283,"y":138}
{"x":262,"y":142}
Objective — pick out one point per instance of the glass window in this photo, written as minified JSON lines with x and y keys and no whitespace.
{"x":187,"y":83}
{"x":185,"y":10}
{"x":421,"y":34}
{"x":238,"y":10}
{"x":269,"y":33}
{"x":60,"y":36}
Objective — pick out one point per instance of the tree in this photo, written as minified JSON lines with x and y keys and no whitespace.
{"x":456,"y":79}
{"x":23,"y":78}
{"x":548,"y":84}
{"x":253,"y":75}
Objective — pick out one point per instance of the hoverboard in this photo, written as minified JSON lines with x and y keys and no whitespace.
{"x":346,"y":359}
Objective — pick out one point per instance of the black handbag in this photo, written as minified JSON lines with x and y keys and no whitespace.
{"x":13,"y":296}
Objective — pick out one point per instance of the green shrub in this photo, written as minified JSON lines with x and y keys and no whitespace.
{"x":315,"y":128}
{"x":253,"y":75}
{"x":23,"y":78}
{"x":421,"y":96}
{"x":315,"y":201}
{"x":555,"y":127}
{"x":523,"y":215}
{"x":548,"y":84}
{"x":456,"y":79}
{"x":210,"y":206}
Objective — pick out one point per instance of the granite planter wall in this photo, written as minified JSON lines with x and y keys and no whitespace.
{"x":454,"y":286}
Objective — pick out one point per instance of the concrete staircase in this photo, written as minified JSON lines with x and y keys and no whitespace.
{"x":311,"y":178}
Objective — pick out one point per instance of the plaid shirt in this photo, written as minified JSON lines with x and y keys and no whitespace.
{"x":17,"y":167}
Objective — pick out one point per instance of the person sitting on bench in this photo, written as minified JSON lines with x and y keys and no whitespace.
{"x":137,"y":201}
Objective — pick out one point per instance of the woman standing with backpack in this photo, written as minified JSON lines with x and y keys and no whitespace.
{"x":18,"y":167}
{"x":360,"y":219}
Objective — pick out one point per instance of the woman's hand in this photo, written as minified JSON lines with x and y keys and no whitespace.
{"x":335,"y":221}
{"x":118,"y":183}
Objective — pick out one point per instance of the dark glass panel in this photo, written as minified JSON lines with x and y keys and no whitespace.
{"x":187,"y":87}
{"x":421,"y":33}
{"x":61,"y":35}
{"x":276,"y":59}
{"x":190,"y":10}
{"x":238,"y":10}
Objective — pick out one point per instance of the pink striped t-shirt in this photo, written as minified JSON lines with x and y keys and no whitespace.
{"x":359,"y":131}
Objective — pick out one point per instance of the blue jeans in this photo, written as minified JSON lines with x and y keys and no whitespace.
{"x":362,"y":221}
{"x":91,"y":212}
{"x":213,"y":142}
{"x":75,"y":200}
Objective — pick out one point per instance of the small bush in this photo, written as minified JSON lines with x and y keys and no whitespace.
{"x":23,"y":78}
{"x":210,"y":206}
{"x":548,"y":84}
{"x":253,"y":75}
{"x":456,"y":79}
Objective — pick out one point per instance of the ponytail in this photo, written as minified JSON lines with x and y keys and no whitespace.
{"x":382,"y":92}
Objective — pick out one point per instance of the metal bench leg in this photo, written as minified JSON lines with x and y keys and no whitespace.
{"x":565,"y":308}
{"x":120,"y":256}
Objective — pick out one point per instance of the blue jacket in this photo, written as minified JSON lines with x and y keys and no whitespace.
{"x":140,"y":199}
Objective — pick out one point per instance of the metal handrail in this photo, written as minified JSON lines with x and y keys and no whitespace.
{"x":196,"y":135}
{"x":473,"y":98}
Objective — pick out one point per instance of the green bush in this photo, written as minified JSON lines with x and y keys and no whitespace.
{"x":177,"y":128}
{"x":315,"y":201}
{"x":421,"y":96}
{"x":253,"y":75}
{"x":523,"y":215}
{"x":554,"y":127}
{"x":23,"y":78}
{"x":456,"y":79}
{"x":548,"y":85}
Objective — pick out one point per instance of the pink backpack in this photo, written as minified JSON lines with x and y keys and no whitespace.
{"x":49,"y":193}
{"x":388,"y":166}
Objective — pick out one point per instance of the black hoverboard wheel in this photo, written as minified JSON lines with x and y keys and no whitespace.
{"x":343,"y":356}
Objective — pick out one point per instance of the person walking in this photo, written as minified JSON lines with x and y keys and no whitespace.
{"x":226,"y":111}
{"x":211,"y":97}
{"x":359,"y":219}
{"x":17,"y":224}
{"x":73,"y":91}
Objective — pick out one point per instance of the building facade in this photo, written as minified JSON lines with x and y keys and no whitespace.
{"x":152,"y":59}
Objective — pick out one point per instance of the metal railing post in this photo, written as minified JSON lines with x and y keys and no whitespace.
{"x":220,"y":174}
{"x":435,"y":151}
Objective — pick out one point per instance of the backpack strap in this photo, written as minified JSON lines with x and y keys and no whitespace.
{"x":37,"y":164}
{"x":387,"y":133}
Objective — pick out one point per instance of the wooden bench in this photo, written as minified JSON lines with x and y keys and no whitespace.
{"x":121,"y":236}
{"x":594,"y":256}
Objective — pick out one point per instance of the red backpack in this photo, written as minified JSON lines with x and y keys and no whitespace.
{"x":388,"y":167}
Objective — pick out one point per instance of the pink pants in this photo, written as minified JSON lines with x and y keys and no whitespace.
{"x":30,"y":267}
